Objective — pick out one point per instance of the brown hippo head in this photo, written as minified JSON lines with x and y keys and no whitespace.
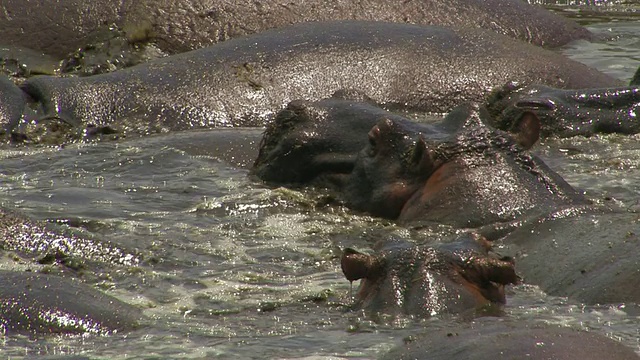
{"x":477,"y":176}
{"x":403,"y":278}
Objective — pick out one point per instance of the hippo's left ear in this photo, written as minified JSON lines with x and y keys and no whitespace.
{"x":526,"y":130}
{"x":422,"y":159}
{"x":356,"y":265}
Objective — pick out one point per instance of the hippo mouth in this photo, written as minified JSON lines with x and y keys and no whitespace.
{"x":536,"y":104}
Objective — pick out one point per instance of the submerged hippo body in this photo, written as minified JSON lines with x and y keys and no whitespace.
{"x":479,"y":176}
{"x":39,"y":304}
{"x":403,"y":278}
{"x":244,"y":82}
{"x":569,"y":112}
{"x":12,"y":104}
{"x":491,"y":339}
{"x":589,"y":256}
{"x":182,"y":25}
{"x":36,"y":239}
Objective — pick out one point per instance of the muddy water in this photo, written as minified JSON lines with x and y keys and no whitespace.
{"x":251,"y":272}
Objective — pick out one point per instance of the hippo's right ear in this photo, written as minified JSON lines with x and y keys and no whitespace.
{"x":422,"y":159}
{"x":356,"y":265}
{"x":526,"y":130}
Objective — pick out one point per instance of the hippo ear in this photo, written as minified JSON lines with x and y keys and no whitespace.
{"x":356,"y":265}
{"x":422,"y":159}
{"x":527,"y":130}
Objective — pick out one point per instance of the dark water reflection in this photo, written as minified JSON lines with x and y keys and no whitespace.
{"x":251,"y":272}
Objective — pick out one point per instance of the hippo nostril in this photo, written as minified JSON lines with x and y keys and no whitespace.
{"x":536,"y":104}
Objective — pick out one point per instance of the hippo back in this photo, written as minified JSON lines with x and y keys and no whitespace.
{"x":245,"y":81}
{"x":182,"y":25}
{"x":33,"y":303}
{"x":491,"y":339}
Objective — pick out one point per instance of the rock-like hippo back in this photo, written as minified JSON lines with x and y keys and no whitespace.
{"x":245,"y":81}
{"x":39,"y":304}
{"x":38,"y":239}
{"x":594,"y":255}
{"x":502,"y":340}
{"x":182,"y":25}
{"x":12,"y":104}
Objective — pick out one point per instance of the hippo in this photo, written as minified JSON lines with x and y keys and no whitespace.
{"x":178,"y":26}
{"x":11,"y":104}
{"x":401,"y":66}
{"x":478,"y":176}
{"x":566,"y":113}
{"x":593,"y":252}
{"x":38,"y":304}
{"x":49,"y":243}
{"x":493,"y":339}
{"x":316,"y":143}
{"x":427,"y":280}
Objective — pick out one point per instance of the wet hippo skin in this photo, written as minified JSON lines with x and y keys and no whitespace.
{"x":37,"y":239}
{"x":493,"y":339}
{"x":567,"y":113}
{"x":481,"y":178}
{"x":589,"y":256}
{"x":12,"y":104}
{"x":245,"y":81}
{"x":60,"y":27}
{"x":478,"y":176}
{"x":402,"y":278}
{"x":316,"y":143}
{"x":39,"y":304}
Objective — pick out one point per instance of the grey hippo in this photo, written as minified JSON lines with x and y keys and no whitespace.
{"x":403,"y":175}
{"x":492,"y":339}
{"x":61,"y":27}
{"x":569,"y":112}
{"x":41,"y":240}
{"x":417,"y":68}
{"x":37,"y":304}
{"x":428,"y":280}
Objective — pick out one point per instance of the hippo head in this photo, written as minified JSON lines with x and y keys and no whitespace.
{"x":567,"y":112}
{"x":316,"y":143}
{"x":427,"y":280}
{"x":478,"y":176}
